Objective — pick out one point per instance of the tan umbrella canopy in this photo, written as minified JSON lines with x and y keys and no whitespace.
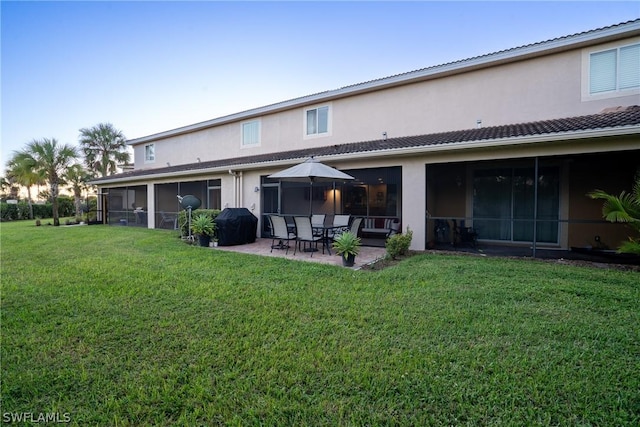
{"x":311,"y":170}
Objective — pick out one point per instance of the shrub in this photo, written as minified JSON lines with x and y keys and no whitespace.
{"x":182,"y":218}
{"x":398,"y":244}
{"x":202,"y":224}
{"x":43,"y":210}
{"x":347,"y":244}
{"x":11,"y":212}
{"x":66,"y":206}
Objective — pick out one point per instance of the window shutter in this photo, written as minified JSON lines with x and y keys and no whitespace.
{"x":603,"y":71}
{"x":629,"y":67}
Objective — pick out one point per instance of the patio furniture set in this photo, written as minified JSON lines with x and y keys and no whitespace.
{"x":310,"y":230}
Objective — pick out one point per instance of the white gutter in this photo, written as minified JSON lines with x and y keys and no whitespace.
{"x":425,"y":149}
{"x":491,"y":59}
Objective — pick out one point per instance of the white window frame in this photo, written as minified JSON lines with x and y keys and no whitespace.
{"x":305,"y":112}
{"x":257,"y":143}
{"x":150,"y":153}
{"x":586,"y":72}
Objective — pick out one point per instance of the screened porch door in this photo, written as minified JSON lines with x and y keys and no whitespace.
{"x":270,"y":205}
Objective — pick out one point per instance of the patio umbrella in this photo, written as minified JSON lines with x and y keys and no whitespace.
{"x":311,"y":170}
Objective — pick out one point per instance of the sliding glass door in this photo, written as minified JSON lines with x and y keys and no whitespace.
{"x":504,"y":200}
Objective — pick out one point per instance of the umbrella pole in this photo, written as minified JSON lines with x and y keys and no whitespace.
{"x":311,"y":198}
{"x":334,"y":198}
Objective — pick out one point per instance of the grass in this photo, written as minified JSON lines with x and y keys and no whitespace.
{"x":131,"y":327}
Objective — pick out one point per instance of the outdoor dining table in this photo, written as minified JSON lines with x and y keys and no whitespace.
{"x":325,"y":229}
{"x":319,"y":228}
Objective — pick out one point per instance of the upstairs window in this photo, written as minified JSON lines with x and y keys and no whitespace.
{"x":251,"y":133}
{"x":317,"y":120}
{"x":149,"y":153}
{"x":614,"y":69}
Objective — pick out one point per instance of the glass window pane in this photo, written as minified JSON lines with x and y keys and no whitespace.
{"x":215,"y":198}
{"x":629,"y":67}
{"x":323,"y":119}
{"x":492,"y":203}
{"x":504,"y":200}
{"x":311,"y":122}
{"x":251,"y":133}
{"x":375,"y":192}
{"x":149,"y":152}
{"x":603,"y":71}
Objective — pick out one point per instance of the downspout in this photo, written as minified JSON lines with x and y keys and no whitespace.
{"x":240,"y":201}
{"x":237,"y":188}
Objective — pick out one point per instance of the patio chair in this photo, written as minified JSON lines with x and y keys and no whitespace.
{"x":280,"y":232}
{"x":317,"y":222}
{"x":355,"y":228}
{"x":394,"y":229}
{"x":339,"y":221}
{"x":441,"y":231}
{"x":166,"y":218}
{"x":304,"y":233}
{"x":463,"y":234}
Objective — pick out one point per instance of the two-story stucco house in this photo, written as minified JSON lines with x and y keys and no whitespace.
{"x":504,"y":141}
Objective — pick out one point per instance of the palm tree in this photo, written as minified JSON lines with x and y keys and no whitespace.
{"x":624,"y":208}
{"x":52,"y":160}
{"x":4,"y":186}
{"x":104,"y":147}
{"x":76,"y":177}
{"x":23,"y":172}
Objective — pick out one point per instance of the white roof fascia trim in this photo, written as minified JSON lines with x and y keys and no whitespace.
{"x":194,"y":172}
{"x":453,"y":146}
{"x":457,"y":66}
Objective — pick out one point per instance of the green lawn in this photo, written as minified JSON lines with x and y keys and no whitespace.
{"x":132,"y":327}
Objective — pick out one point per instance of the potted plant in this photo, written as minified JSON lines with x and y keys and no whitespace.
{"x":203,"y":227}
{"x":348,"y":246}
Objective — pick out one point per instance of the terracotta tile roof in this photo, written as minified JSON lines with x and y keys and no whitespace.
{"x":609,"y":119}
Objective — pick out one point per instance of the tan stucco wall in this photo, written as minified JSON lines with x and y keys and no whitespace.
{"x":510,"y":93}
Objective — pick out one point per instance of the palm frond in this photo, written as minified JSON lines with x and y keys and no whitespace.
{"x":631,"y":246}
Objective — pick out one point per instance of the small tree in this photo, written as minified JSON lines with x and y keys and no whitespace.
{"x":624,"y":208}
{"x":23,"y":172}
{"x":76,"y":178}
{"x":51,"y":160}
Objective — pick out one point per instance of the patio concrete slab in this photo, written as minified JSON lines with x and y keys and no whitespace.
{"x":262,"y":247}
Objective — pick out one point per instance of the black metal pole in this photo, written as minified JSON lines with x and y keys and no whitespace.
{"x":535,"y":206}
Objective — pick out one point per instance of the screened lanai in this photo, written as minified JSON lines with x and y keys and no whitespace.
{"x":376,"y":192}
{"x":508,"y":202}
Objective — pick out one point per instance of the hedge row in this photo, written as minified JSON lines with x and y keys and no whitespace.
{"x":11,"y":212}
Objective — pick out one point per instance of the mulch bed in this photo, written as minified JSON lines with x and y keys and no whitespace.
{"x":387,"y":262}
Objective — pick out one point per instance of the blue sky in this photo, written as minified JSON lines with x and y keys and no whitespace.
{"x":149,"y":66}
